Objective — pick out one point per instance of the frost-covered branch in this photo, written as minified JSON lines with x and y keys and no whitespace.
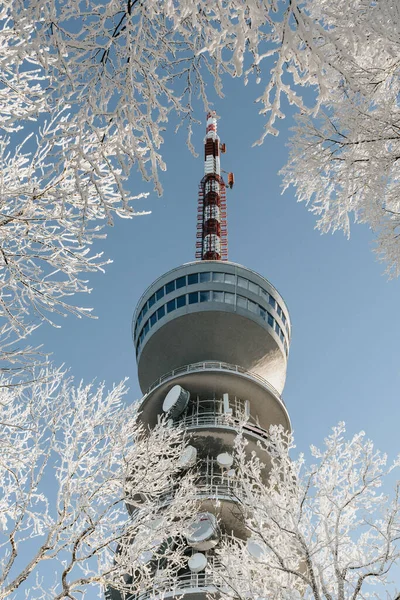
{"x":72,"y":461}
{"x":86,"y":92}
{"x":320,"y":532}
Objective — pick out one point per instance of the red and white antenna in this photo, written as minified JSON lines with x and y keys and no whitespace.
{"x":212,"y":234}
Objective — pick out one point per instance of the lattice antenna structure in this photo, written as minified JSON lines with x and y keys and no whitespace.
{"x":212,"y":234}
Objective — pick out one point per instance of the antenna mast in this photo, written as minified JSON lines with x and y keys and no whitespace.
{"x":212,"y":234}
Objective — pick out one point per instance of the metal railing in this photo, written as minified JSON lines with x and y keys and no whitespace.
{"x":182,"y":583}
{"x":216,"y":486}
{"x":208,"y":581}
{"x":212,"y":419}
{"x":210,"y":482}
{"x":214,"y":366}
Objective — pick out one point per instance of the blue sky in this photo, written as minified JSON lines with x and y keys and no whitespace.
{"x":344,"y":360}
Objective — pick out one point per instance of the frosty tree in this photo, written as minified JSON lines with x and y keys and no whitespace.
{"x":86,"y":91}
{"x":319,"y":532}
{"x":345,"y":158}
{"x":71,"y":460}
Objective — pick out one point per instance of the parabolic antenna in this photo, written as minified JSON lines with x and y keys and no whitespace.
{"x":255,"y":549}
{"x":176,"y":401}
{"x":203,"y":532}
{"x":188,"y":457}
{"x":197,"y":562}
{"x":225,"y":460}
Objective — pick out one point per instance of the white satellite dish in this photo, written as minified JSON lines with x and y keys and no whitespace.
{"x":197,"y":562}
{"x":176,"y":401}
{"x":204,"y":532}
{"x":255,"y":549}
{"x":188,"y":457}
{"x":225,"y":460}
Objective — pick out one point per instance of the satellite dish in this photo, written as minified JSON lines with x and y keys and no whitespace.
{"x":176,"y":401}
{"x":197,"y":562}
{"x":231,"y":473}
{"x":225,"y":460}
{"x":188,"y":457}
{"x":255,"y":549}
{"x":204,"y":532}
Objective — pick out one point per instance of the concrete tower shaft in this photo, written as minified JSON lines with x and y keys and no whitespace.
{"x":212,"y":340}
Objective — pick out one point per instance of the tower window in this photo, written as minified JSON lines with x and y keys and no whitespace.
{"x":252,"y":306}
{"x":181,"y":301}
{"x":193,"y":297}
{"x":161,"y":312}
{"x":272,"y":301}
{"x":205,"y":277}
{"x":229,"y":298}
{"x":242,"y":282}
{"x":160,"y":293}
{"x":218,"y":296}
{"x":181,"y":282}
{"x":270,"y":320}
{"x":205,"y":296}
{"x":253,"y":287}
{"x":242,"y":302}
{"x":218,"y":277}
{"x":170,"y":287}
{"x":193,"y":278}
{"x":229,"y":278}
{"x":153,"y":319}
{"x":171,"y":305}
{"x":152,"y":300}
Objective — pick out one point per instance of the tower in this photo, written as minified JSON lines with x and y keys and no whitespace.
{"x":212,"y":340}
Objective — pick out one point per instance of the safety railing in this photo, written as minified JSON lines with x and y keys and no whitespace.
{"x":212,"y":419}
{"x":210,"y":482}
{"x":214,"y":366}
{"x":216,"y":486}
{"x":175,"y":587}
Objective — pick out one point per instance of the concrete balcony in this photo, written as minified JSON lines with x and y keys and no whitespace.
{"x":216,"y":491}
{"x":212,"y":379}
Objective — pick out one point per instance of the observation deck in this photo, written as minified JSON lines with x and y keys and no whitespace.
{"x":212,"y":379}
{"x":212,"y":310}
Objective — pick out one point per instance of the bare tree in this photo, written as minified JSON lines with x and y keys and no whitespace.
{"x":72,"y":461}
{"x":321,"y":532}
